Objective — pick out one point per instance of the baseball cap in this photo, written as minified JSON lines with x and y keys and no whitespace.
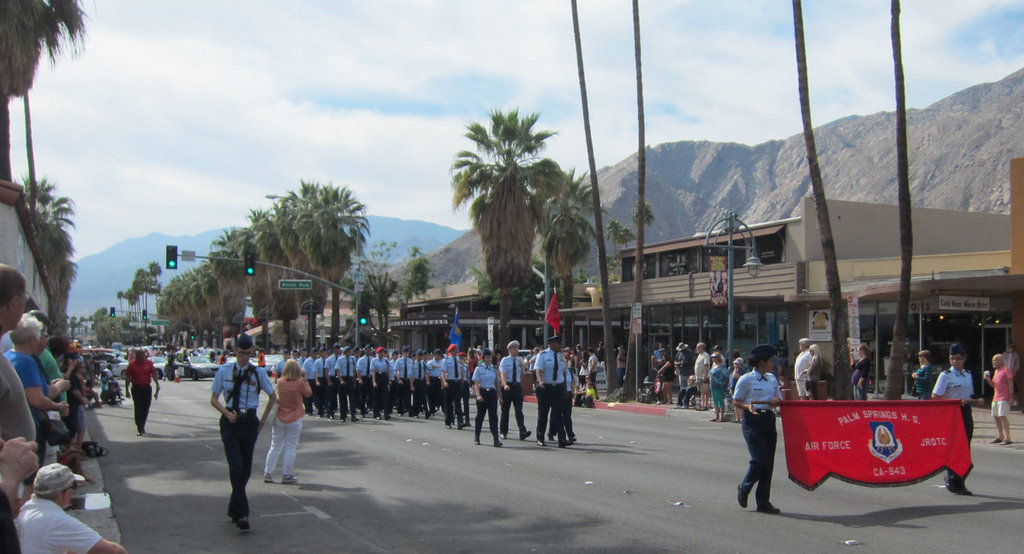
{"x":54,"y":478}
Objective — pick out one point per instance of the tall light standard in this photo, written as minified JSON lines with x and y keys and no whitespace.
{"x":731,"y":225}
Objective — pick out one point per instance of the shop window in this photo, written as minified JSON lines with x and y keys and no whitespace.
{"x":679,"y":262}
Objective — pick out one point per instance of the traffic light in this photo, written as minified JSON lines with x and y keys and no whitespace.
{"x":145,"y":314}
{"x":250,"y":265}
{"x":364,"y":315}
{"x":172,"y":257}
{"x":362,"y":320}
{"x":112,"y":312}
{"x":191,"y":335}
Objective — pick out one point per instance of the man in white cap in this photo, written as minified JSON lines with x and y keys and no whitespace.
{"x":802,"y":369}
{"x":44,"y":525}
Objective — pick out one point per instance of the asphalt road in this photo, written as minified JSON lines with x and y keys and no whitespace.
{"x":634,"y":482}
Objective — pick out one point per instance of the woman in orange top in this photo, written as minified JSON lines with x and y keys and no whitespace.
{"x":292,"y":387}
{"x":139,"y":374}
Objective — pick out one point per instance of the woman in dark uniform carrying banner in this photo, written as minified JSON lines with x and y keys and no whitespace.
{"x":757,"y":392}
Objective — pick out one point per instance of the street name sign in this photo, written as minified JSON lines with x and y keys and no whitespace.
{"x":294,"y":284}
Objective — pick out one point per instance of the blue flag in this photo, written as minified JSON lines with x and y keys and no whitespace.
{"x":455,"y":335}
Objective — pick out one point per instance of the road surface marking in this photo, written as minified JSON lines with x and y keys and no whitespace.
{"x":318,"y":513}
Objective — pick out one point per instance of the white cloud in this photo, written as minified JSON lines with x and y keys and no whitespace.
{"x":179,"y":116}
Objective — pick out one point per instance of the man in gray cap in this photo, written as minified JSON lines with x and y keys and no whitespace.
{"x":551,"y":372}
{"x":46,"y":527}
{"x":240,"y":383}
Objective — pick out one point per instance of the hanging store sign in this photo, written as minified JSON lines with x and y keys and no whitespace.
{"x":963,"y":303}
{"x":719,"y":275}
{"x":820,"y":325}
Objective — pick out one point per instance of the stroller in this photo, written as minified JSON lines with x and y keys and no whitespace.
{"x":647,"y":393}
{"x":111,"y":395}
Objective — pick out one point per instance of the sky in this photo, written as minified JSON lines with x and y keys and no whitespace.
{"x":179,"y":116}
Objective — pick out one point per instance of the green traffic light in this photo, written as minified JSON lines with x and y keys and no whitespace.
{"x":250,"y":270}
{"x":362,"y":321}
{"x":173,"y":264}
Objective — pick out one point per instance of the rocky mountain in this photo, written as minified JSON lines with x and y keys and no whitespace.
{"x":959,"y":149}
{"x":101,"y":275}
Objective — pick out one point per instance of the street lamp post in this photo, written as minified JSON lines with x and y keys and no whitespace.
{"x":731,"y":225}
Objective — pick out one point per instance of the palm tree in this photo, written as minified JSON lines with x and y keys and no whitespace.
{"x":27,"y":28}
{"x":619,"y":234}
{"x":641,"y":178}
{"x":504,"y":182}
{"x":602,"y":253}
{"x":334,"y":229}
{"x":230,"y":277}
{"x":898,"y":354}
{"x":265,"y":226}
{"x":565,"y":231}
{"x":840,"y":319}
{"x":51,"y":222}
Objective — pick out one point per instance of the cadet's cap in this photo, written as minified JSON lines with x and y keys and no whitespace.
{"x":555,"y":338}
{"x":957,"y":349}
{"x":437,"y":351}
{"x":380,"y":349}
{"x":405,"y":348}
{"x":763,"y":352}
{"x":452,"y":347}
{"x":486,"y":352}
{"x":336,"y":345}
{"x":346,"y":348}
{"x":243,"y":342}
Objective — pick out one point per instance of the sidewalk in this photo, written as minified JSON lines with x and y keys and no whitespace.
{"x":92,"y":504}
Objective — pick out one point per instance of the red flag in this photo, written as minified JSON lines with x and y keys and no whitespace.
{"x":553,"y":318}
{"x":875,"y":444}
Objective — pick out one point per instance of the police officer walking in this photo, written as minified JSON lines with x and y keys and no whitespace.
{"x":485,"y":383}
{"x":512,"y":384}
{"x":957,"y":384}
{"x":451,"y":382}
{"x":757,"y":392}
{"x":550,"y":370}
{"x":240,"y":383}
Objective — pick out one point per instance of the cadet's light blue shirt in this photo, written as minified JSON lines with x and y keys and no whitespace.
{"x":363,"y":366}
{"x":404,"y":368}
{"x":485,"y":374}
{"x":453,"y":370}
{"x":345,"y":366}
{"x":380,"y":365}
{"x":551,"y":366}
{"x":309,"y":367}
{"x":329,"y":364}
{"x":249,"y":393}
{"x":435,"y":367}
{"x":756,"y":389}
{"x":954,"y":385}
{"x":511,"y":368}
{"x":318,"y":368}
{"x":419,"y":370}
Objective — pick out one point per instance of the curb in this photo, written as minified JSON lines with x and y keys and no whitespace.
{"x":101,"y":519}
{"x":642,"y":409}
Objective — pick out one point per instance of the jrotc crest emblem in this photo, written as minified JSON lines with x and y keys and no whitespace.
{"x":883,"y":443}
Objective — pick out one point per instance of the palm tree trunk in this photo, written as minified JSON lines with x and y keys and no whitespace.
{"x":335,"y":314}
{"x":5,"y":138}
{"x":641,"y":176}
{"x":504,"y":333}
{"x":840,"y":320}
{"x":567,"y":288}
{"x":602,"y":253}
{"x":898,"y":354}
{"x":28,"y":143}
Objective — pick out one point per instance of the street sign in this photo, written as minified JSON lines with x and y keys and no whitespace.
{"x":159,"y":322}
{"x":358,"y":276}
{"x":294,"y":284}
{"x":490,"y":333}
{"x":853,"y":312}
{"x":358,"y":287}
{"x":636,"y":319}
{"x":188,"y":255}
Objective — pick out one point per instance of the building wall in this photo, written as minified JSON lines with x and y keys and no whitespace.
{"x":864,"y":230}
{"x":15,"y":252}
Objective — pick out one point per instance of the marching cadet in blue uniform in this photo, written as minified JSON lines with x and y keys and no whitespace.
{"x":279,"y":366}
{"x":332,"y":381}
{"x":485,"y":386}
{"x":758,"y":393}
{"x":550,"y":370}
{"x":435,"y":390}
{"x":393,"y":376}
{"x":240,"y":383}
{"x":365,"y":380}
{"x":320,"y":380}
{"x":570,"y":384}
{"x":380,"y":369}
{"x":419,"y":385}
{"x":309,"y":370}
{"x":958,"y":384}
{"x":467,"y":387}
{"x":347,"y":376}
{"x":451,"y":382}
{"x":512,"y":384}
{"x":404,"y":370}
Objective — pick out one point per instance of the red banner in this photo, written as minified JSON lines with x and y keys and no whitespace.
{"x":875,"y":444}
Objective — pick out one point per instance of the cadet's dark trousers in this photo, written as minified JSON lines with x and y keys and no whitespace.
{"x":308,"y":402}
{"x":403,"y":394}
{"x":142,"y":397}
{"x":381,"y":400}
{"x":954,"y":482}
{"x":365,"y":395}
{"x":453,"y":403}
{"x":348,"y":393}
{"x":466,"y":391}
{"x":419,"y":398}
{"x":332,"y":396}
{"x":512,"y":397}
{"x":320,"y":395}
{"x":434,"y":395}
{"x":489,"y":404}
{"x":550,"y":400}
{"x":566,"y":418}
{"x":761,"y":436}
{"x":239,"y":440}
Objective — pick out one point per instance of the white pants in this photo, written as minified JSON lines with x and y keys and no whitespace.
{"x":285,"y":436}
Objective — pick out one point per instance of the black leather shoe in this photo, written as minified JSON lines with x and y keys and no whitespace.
{"x":551,"y":437}
{"x":741,"y":496}
{"x":476,"y":442}
{"x":768,"y":509}
{"x":524,"y":436}
{"x":242,"y":523}
{"x":498,"y":444}
{"x":563,"y":444}
{"x":541,"y":442}
{"x":504,"y":436}
{"x":354,"y":419}
{"x":963,"y":492}
{"x":462,"y":426}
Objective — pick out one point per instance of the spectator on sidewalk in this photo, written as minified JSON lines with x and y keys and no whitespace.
{"x":1001,"y":381}
{"x":15,"y":415}
{"x":924,"y":377}
{"x":292,"y":387}
{"x":18,"y":462}
{"x":44,"y":525}
{"x":719,"y":384}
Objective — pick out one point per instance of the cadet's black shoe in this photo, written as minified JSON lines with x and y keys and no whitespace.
{"x":741,"y":496}
{"x":448,"y":426}
{"x":768,"y":509}
{"x":524,"y":436}
{"x":563,"y":444}
{"x":504,"y":436}
{"x":540,"y":442}
{"x":242,"y":523}
{"x":462,"y":426}
{"x":497,"y":444}
{"x":354,"y":419}
{"x":963,"y":492}
{"x":551,"y":437}
{"x":476,"y":442}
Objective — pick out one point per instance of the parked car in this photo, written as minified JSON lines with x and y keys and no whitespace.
{"x":198,"y":367}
